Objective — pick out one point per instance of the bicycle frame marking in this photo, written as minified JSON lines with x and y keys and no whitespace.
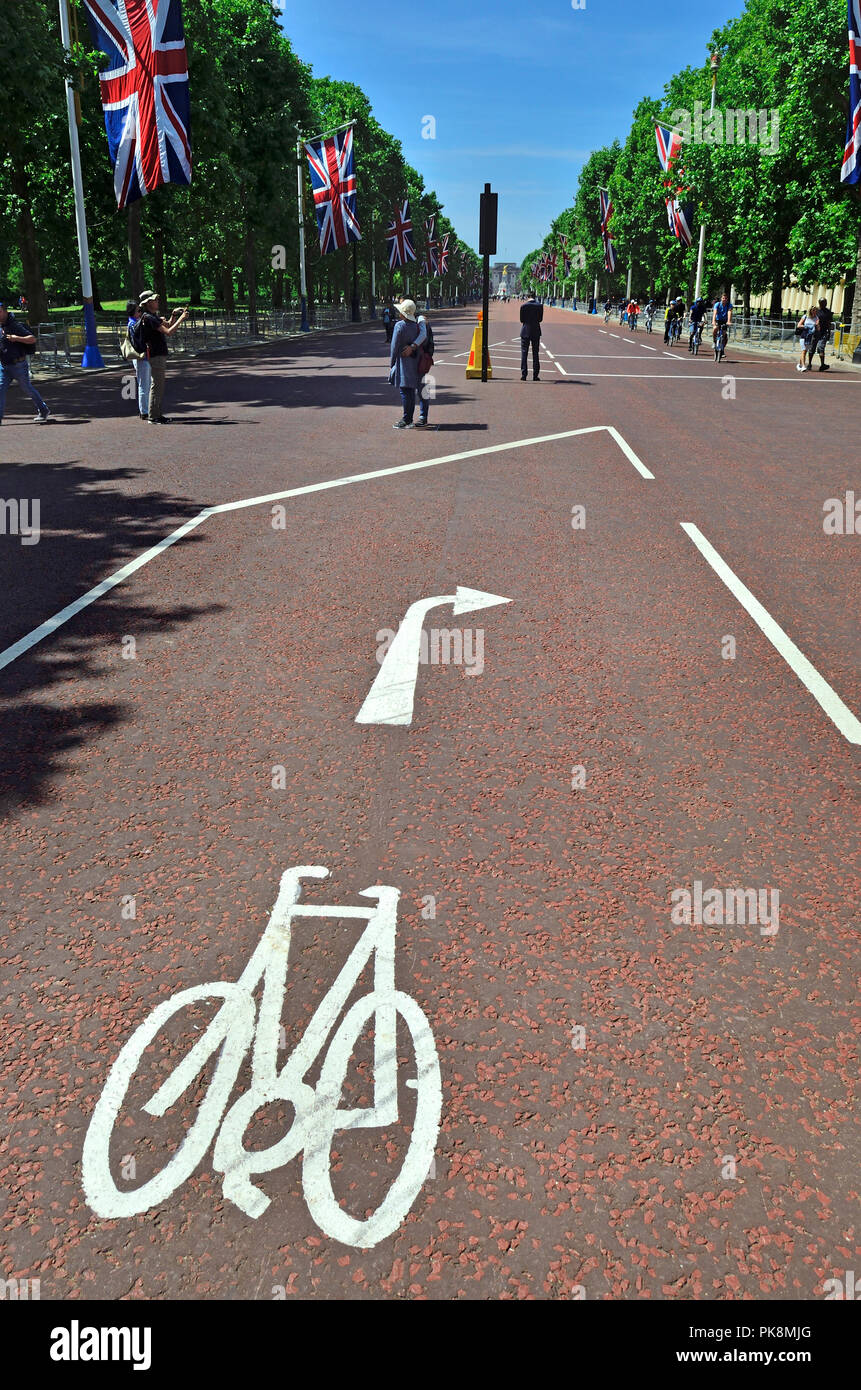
{"x":234,"y":1031}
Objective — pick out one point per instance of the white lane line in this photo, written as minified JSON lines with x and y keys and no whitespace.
{"x":629,"y":453}
{"x":689,"y":376}
{"x":51,"y":625}
{"x":828,"y":699}
{"x":648,"y":349}
{"x":72,"y":609}
{"x":670,"y":354}
{"x":613,"y":335}
{"x":603,"y":330}
{"x":559,"y":367}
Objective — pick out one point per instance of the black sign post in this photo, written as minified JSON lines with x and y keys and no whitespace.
{"x":487,"y":248}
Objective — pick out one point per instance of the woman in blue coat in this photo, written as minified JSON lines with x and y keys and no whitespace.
{"x":404,"y":361}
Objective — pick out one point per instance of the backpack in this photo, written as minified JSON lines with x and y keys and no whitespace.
{"x":136,"y":338}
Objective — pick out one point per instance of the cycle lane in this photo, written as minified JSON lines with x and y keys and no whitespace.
{"x":472,"y":806}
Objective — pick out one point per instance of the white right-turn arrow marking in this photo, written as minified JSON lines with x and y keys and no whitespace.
{"x":390,"y":698}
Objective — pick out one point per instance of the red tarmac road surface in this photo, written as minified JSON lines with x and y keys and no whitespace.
{"x":632,"y":1106}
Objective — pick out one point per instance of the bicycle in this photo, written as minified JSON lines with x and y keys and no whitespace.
{"x":632,"y":322}
{"x":649,"y":322}
{"x":720,"y":338}
{"x":695,"y":338}
{"x":233,"y":1033}
{"x":676,"y":331}
{"x":606,"y":315}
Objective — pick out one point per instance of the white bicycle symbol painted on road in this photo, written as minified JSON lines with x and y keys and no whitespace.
{"x":317,"y":1114}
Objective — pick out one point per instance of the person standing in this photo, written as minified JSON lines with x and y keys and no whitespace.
{"x":143,"y":372}
{"x":15,"y":342}
{"x":531,"y":316}
{"x":156,"y":332}
{"x":824,"y":321}
{"x":424,"y":345}
{"x":388,"y":321}
{"x":404,"y":362}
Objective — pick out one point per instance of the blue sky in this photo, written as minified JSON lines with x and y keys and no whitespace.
{"x":521,"y":92}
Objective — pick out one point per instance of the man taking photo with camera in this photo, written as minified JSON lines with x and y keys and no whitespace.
{"x":155,"y":332}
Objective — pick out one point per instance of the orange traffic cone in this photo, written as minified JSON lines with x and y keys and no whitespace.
{"x":473,"y":366}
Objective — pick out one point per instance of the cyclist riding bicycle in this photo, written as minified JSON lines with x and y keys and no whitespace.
{"x":669,"y":320}
{"x":633,"y":313}
{"x":679,"y":319}
{"x":698,"y":312}
{"x":721,"y":316}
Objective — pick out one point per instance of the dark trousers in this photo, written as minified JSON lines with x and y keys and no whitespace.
{"x":408,"y":401}
{"x":524,"y":354}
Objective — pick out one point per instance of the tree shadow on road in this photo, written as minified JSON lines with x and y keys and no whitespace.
{"x":87,"y":531}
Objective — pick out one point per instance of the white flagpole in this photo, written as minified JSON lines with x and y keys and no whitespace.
{"x":373,"y":273}
{"x":702,"y":250}
{"x":303,"y":281}
{"x":92,"y":356}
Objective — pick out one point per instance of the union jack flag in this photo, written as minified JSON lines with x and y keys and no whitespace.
{"x":443,"y":255}
{"x":333,"y":179}
{"x":669,"y":143}
{"x":430,"y":254}
{"x":606,"y":237}
{"x":851,"y":170}
{"x":683,"y":218}
{"x":566,"y":259}
{"x":144,"y":93}
{"x":400,"y":237}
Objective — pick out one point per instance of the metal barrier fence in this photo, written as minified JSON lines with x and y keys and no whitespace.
{"x":60,"y":343}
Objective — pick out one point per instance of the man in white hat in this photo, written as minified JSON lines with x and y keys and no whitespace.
{"x":156,"y":331}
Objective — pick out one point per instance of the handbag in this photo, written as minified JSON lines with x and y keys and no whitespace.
{"x":128,"y":350}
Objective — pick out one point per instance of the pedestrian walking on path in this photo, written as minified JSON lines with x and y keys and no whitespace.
{"x":404,"y":361}
{"x":388,"y":321}
{"x":136,"y":354}
{"x":806,"y":330}
{"x":531,"y":315}
{"x":16,"y":343}
{"x":156,"y":332}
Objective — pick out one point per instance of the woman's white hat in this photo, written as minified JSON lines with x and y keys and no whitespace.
{"x":407,"y":309}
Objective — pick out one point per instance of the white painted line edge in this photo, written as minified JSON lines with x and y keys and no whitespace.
{"x":839,"y":713}
{"x":51,"y":625}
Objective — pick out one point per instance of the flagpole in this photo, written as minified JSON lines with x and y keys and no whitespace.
{"x":92,"y":357}
{"x":303,"y":280}
{"x":373,"y":273}
{"x":702,"y":250}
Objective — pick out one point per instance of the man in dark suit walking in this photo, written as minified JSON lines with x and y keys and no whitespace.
{"x":531,"y":314}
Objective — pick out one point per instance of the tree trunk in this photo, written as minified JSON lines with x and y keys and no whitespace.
{"x":777,"y":295}
{"x":227,"y":290}
{"x":278,"y":290}
{"x":746,"y":295}
{"x":250,"y":259}
{"x":133,"y":223}
{"x":34,"y":284}
{"x":159,"y":277}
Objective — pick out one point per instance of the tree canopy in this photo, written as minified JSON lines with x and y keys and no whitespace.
{"x":234,"y":231}
{"x":773,"y":205}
